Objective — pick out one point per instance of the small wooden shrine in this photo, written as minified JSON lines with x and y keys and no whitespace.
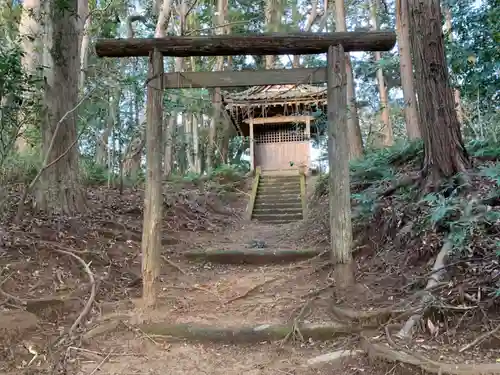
{"x":279,"y":122}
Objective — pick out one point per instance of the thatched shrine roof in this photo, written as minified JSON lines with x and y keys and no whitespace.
{"x":269,"y":101}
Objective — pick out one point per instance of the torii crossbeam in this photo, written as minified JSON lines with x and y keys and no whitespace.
{"x":249,"y":44}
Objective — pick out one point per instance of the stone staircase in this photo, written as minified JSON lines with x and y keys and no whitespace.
{"x":278,"y":200}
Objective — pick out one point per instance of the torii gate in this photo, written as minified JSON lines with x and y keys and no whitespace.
{"x":334,"y":44}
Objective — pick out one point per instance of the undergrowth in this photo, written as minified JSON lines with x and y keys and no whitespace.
{"x":22,"y":169}
{"x":461,"y":217}
{"x":397,"y":236}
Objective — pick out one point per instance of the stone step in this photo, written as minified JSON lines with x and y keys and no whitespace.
{"x":277,"y":217}
{"x":279,"y":196}
{"x":279,"y":189}
{"x":295,"y":181}
{"x":276,"y":222}
{"x":277,"y":200}
{"x":277,"y":211}
{"x":295,"y":204}
{"x":277,"y":178}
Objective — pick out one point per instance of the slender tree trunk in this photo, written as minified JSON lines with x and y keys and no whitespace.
{"x":30,"y":32}
{"x":133,"y":156}
{"x":181,"y":151}
{"x":212,"y":131}
{"x":103,"y":139}
{"x":445,"y":153}
{"x":311,"y":18}
{"x":456,"y":91}
{"x":84,"y":19}
{"x":164,"y":9}
{"x":196,"y":144}
{"x":172,"y":127}
{"x":226,"y":126}
{"x":163,"y":19}
{"x":188,"y":133}
{"x":271,"y":14}
{"x":60,"y":189}
{"x":406,"y":69}
{"x":326,"y":15}
{"x":219,"y":65}
{"x":133,"y":153}
{"x":182,"y":11}
{"x":194,"y":132}
{"x":169,"y":143}
{"x":355,"y":140}
{"x":386,"y":133}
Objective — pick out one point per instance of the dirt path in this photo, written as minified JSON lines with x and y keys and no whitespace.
{"x":224,"y":296}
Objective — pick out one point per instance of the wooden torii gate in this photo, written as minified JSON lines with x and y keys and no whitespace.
{"x":334,"y":44}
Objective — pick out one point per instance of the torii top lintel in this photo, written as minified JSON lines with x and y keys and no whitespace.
{"x":248,"y":44}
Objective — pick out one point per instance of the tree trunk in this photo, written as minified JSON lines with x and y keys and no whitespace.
{"x":386,"y":137}
{"x":181,"y":152}
{"x":225,"y":124}
{"x":31,"y":33}
{"x":103,"y":139}
{"x":182,"y":11}
{"x":169,"y":143}
{"x":222,"y":7}
{"x":445,"y":153}
{"x":84,"y":20}
{"x":355,"y":140}
{"x":338,"y":157}
{"x":271,"y":13}
{"x":326,"y":15}
{"x":220,"y":131}
{"x":406,"y":69}
{"x":196,"y":144}
{"x":188,"y":133}
{"x":168,"y":158}
{"x":133,"y":155}
{"x":164,"y":9}
{"x":60,"y":190}
{"x":212,"y":131}
{"x":163,"y":19}
{"x":456,"y":91}
{"x":311,"y":18}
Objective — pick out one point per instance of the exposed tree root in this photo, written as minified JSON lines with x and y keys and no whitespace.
{"x":37,"y":304}
{"x":295,"y":332}
{"x":401,"y":183}
{"x":386,"y":353}
{"x":101,"y":329}
{"x":265,"y":256}
{"x":178,"y":268}
{"x":480,"y":339}
{"x":235,"y":335}
{"x":93,"y":291}
{"x":333,"y":357}
{"x":438,"y":272}
{"x":241,"y":296}
{"x":370,"y":318}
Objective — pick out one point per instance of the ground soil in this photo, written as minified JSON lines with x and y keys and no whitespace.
{"x":42,"y":293}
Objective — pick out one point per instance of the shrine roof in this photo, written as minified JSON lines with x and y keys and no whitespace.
{"x":276,"y":95}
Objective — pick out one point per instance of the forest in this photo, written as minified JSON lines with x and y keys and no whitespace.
{"x":127,"y":241}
